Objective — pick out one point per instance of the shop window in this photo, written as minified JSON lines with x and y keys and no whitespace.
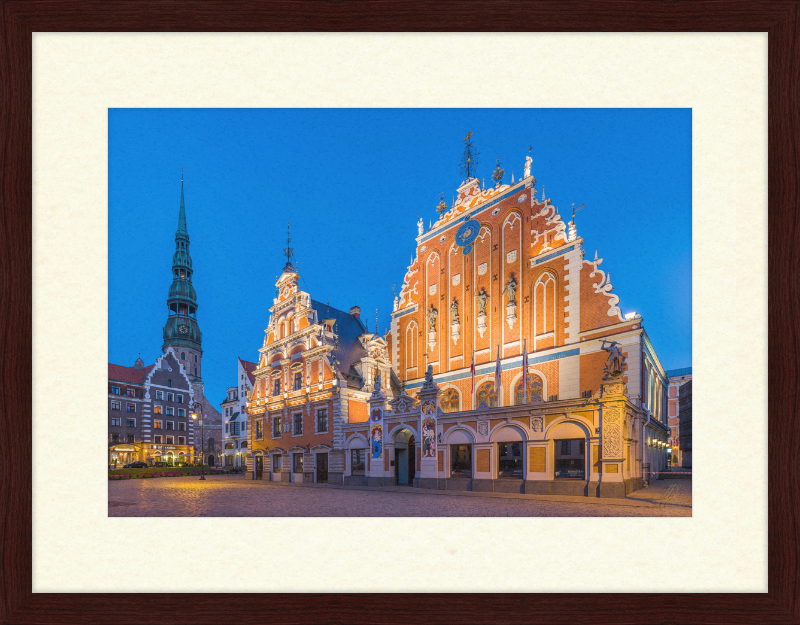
{"x":297,"y":463}
{"x":298,"y":424}
{"x":571,"y":459}
{"x":358,"y":462}
{"x":322,"y":420}
{"x":534,"y":389}
{"x":486,"y":394}
{"x":276,"y":463}
{"x":450,"y":401}
{"x":461,"y":460}
{"x":509,"y":459}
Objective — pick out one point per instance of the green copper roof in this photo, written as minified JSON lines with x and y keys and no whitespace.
{"x":182,"y":216}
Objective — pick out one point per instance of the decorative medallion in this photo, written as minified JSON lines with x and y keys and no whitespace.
{"x":429,"y":407}
{"x":536,"y":422}
{"x":522,"y":198}
{"x":423,"y":248}
{"x":495,"y":211}
{"x":432,"y":289}
{"x":511,"y":256}
{"x":442,"y":238}
{"x":483,"y":428}
{"x":183,"y":329}
{"x":457,"y":279}
{"x":468,"y":232}
{"x":466,"y":249}
{"x":377,"y":414}
{"x":377,"y":436}
{"x":482,"y":268}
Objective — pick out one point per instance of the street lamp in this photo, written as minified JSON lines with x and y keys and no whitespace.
{"x":198,"y":406}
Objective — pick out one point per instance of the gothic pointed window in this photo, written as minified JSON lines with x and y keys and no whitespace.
{"x":450,"y":401}
{"x":544,"y":301}
{"x":534,"y":388}
{"x":486,"y":394}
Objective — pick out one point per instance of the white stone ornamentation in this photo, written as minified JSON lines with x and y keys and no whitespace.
{"x":511,"y":315}
{"x":455,"y":332}
{"x":481,"y":324}
{"x":432,"y":289}
{"x":457,"y":279}
{"x":511,"y":256}
{"x":482,"y":268}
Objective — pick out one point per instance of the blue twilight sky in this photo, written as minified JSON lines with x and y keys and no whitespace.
{"x":352,"y":182}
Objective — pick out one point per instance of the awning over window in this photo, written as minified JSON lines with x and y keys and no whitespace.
{"x":233,"y":418}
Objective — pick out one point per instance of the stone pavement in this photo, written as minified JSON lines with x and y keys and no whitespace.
{"x":236,"y":496}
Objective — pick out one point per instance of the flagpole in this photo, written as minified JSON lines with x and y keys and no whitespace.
{"x":525,"y":368}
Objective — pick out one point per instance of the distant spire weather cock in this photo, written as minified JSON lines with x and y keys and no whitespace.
{"x":288,"y":251}
{"x":469,"y":159}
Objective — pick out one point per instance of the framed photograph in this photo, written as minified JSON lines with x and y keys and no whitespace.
{"x":64,"y":554}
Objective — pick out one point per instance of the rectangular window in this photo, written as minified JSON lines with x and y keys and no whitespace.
{"x":276,"y":426}
{"x":169,"y":396}
{"x":322,"y":420}
{"x":157,"y":410}
{"x":552,"y":398}
{"x":509,"y":459}
{"x":181,"y":440}
{"x":461,"y":460}
{"x":170,"y":440}
{"x":570,"y":463}
{"x":131,"y":407}
{"x":170,"y":425}
{"x":358,"y":461}
{"x":115,"y":390}
{"x":244,"y":427}
{"x":169,"y":411}
{"x":182,"y":426}
{"x":297,"y":463}
{"x":226,"y":428}
{"x":181,"y":412}
{"x":115,"y":438}
{"x":179,"y":399}
{"x":129,"y":438}
{"x":169,"y":383}
{"x":115,"y":405}
{"x":276,"y":387}
{"x":298,"y":381}
{"x":298,"y":423}
{"x":131,"y":423}
{"x":130,"y":392}
{"x":259,"y":429}
{"x":235,"y":428}
{"x":276,"y":463}
{"x":159,"y":395}
{"x":157,"y":424}
{"x":115,"y":420}
{"x":157,"y":438}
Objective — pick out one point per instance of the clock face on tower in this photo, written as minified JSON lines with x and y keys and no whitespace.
{"x":183,"y":329}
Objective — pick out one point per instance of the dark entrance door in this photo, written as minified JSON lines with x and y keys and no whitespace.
{"x":322,"y":468}
{"x":259,"y":467}
{"x":412,"y":460}
{"x":397,"y":456}
{"x":211,"y":461}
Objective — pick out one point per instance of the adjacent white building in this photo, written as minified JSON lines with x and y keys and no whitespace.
{"x":234,"y":418}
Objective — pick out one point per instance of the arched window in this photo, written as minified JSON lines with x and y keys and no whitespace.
{"x":450,"y":401}
{"x":544,"y":304}
{"x":195,"y":358}
{"x":486,"y":394}
{"x":211,"y":444}
{"x":183,"y":355}
{"x":195,"y":370}
{"x":534,"y":388}
{"x":411,"y":345}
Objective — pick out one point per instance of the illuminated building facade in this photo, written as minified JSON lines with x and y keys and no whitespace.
{"x":235,"y":445}
{"x":498,"y":278}
{"x":676,"y":378}
{"x":316,"y":370}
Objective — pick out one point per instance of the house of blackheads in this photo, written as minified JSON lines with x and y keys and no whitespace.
{"x":509,"y":367}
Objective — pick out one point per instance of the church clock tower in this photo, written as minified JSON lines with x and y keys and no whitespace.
{"x":181,"y":331}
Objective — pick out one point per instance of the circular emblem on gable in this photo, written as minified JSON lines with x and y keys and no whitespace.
{"x":468,"y":232}
{"x":442,"y":238}
{"x":522,"y":198}
{"x":183,"y":329}
{"x":466,"y":250}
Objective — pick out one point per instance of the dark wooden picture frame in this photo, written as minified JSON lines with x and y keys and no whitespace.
{"x":781,"y":19}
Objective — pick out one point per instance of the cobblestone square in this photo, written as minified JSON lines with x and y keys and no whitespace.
{"x":236,"y":496}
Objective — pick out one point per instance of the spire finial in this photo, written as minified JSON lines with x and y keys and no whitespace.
{"x":376,"y":321}
{"x":442,"y":206}
{"x":288,"y":251}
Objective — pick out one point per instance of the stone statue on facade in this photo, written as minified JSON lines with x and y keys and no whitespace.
{"x":482,"y":297}
{"x":433,"y":314}
{"x":511,"y":287}
{"x":616,"y":360}
{"x":528,"y":161}
{"x":377,"y":385}
{"x":420,"y":227}
{"x":454,"y":311}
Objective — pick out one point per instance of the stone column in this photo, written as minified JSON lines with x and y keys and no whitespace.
{"x":429,"y":411}
{"x":612,"y":415}
{"x":376,"y":475}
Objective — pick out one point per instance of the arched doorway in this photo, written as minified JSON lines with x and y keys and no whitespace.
{"x":404,"y":458}
{"x":211,"y":461}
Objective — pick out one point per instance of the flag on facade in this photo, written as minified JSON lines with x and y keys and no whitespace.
{"x":497,"y":376}
{"x":472,"y":372}
{"x":525,"y":368}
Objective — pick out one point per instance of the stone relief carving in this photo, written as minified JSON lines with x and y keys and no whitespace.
{"x":482,"y":268}
{"x":483,"y":428}
{"x":511,"y":256}
{"x":537,"y":424}
{"x":612,"y":447}
{"x":457,"y":279}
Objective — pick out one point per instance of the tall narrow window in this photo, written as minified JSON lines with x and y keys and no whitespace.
{"x":450,"y":401}
{"x":544,"y":305}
